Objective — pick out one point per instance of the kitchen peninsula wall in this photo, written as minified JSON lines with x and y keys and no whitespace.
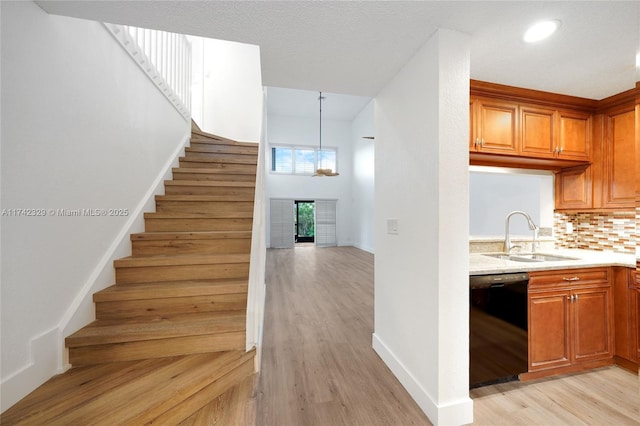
{"x":603,"y":231}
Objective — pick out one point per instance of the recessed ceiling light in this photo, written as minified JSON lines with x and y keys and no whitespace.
{"x":541,"y":30}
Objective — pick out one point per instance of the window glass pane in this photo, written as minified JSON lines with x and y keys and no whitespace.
{"x":327,"y":159}
{"x":282,"y":160}
{"x":305,"y":161}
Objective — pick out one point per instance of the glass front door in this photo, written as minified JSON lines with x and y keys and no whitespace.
{"x":304,"y":215}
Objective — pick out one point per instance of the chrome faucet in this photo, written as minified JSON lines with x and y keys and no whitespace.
{"x":532,"y":226}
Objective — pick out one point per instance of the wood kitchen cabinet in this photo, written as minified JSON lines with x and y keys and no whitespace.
{"x":493,"y":126}
{"x":570,"y":321}
{"x":626,"y":307}
{"x":528,"y":128}
{"x":574,"y":140}
{"x":553,"y":133}
{"x":619,"y":166}
{"x":635,"y":314}
{"x":609,"y":183}
{"x":538,"y":132}
{"x":574,"y":188}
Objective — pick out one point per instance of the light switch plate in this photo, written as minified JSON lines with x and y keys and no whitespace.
{"x":392,"y":226}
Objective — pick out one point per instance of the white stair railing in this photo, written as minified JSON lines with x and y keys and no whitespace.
{"x":165,"y":57}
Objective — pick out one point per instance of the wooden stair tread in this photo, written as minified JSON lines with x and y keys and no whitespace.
{"x":170,"y":289}
{"x":101,"y":332}
{"x":195,"y":134}
{"x":187,"y":259}
{"x":219,"y":171}
{"x":200,"y":198}
{"x":235,"y":184}
{"x":210,"y":198}
{"x":196,"y":235}
{"x":197,"y":146}
{"x":184,"y":215}
{"x":204,"y":210}
{"x":191,"y":157}
{"x":221,"y":157}
{"x":135,"y":392}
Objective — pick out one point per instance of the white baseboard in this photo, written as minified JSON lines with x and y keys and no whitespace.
{"x":366,"y":248}
{"x":42,"y":364}
{"x":454,"y":413}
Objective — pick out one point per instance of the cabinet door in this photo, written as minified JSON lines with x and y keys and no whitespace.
{"x":634,"y":317}
{"x":473,"y":135}
{"x":549,"y":344}
{"x":573,"y":188}
{"x":575,"y":135}
{"x":618,"y":186}
{"x":622,"y":311}
{"x":592,"y":328}
{"x":496,"y":126}
{"x":537,"y":132}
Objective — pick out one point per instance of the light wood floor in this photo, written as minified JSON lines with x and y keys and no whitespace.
{"x":318,"y":367}
{"x":607,"y":396}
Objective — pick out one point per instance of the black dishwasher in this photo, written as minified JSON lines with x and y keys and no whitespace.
{"x":498,"y":340}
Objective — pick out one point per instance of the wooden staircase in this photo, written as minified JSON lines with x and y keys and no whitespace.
{"x":169,"y":336}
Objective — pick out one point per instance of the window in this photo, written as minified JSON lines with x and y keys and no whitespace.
{"x":302,"y":160}
{"x":282,"y":160}
{"x":305,"y":161}
{"x":327,"y":159}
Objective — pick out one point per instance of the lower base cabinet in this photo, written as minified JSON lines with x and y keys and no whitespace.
{"x":570,"y":320}
{"x":626,"y":305}
{"x":635,"y":315}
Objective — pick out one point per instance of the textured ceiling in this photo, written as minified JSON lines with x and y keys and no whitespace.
{"x":357,"y":47}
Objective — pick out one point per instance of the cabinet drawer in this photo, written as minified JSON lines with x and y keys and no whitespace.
{"x":568,"y":278}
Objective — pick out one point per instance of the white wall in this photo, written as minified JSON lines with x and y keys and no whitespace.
{"x":493,"y":195}
{"x":82,"y":127}
{"x":233,"y":94}
{"x":363,"y":182}
{"x":302,"y":131}
{"x":421,"y":285}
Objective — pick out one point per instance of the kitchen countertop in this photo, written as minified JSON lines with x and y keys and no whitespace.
{"x":484,"y":265}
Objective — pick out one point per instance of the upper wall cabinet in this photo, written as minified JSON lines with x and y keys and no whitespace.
{"x":618,"y":183}
{"x":574,"y":141}
{"x":610,"y":181}
{"x":538,"y":132}
{"x":493,"y":126}
{"x":528,"y":128}
{"x":555,"y":133}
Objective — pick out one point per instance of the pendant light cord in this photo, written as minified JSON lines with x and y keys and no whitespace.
{"x":320,"y":152}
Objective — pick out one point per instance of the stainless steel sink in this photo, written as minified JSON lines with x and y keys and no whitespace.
{"x":510,"y":257}
{"x":529,"y":257}
{"x":545,"y":257}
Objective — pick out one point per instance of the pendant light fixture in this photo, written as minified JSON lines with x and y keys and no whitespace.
{"x":321,"y":171}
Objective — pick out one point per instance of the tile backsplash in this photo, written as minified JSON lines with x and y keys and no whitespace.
{"x":606,"y":231}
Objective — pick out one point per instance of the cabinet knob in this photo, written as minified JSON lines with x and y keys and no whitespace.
{"x":482,"y":142}
{"x":571,"y":278}
{"x":560,"y":150}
